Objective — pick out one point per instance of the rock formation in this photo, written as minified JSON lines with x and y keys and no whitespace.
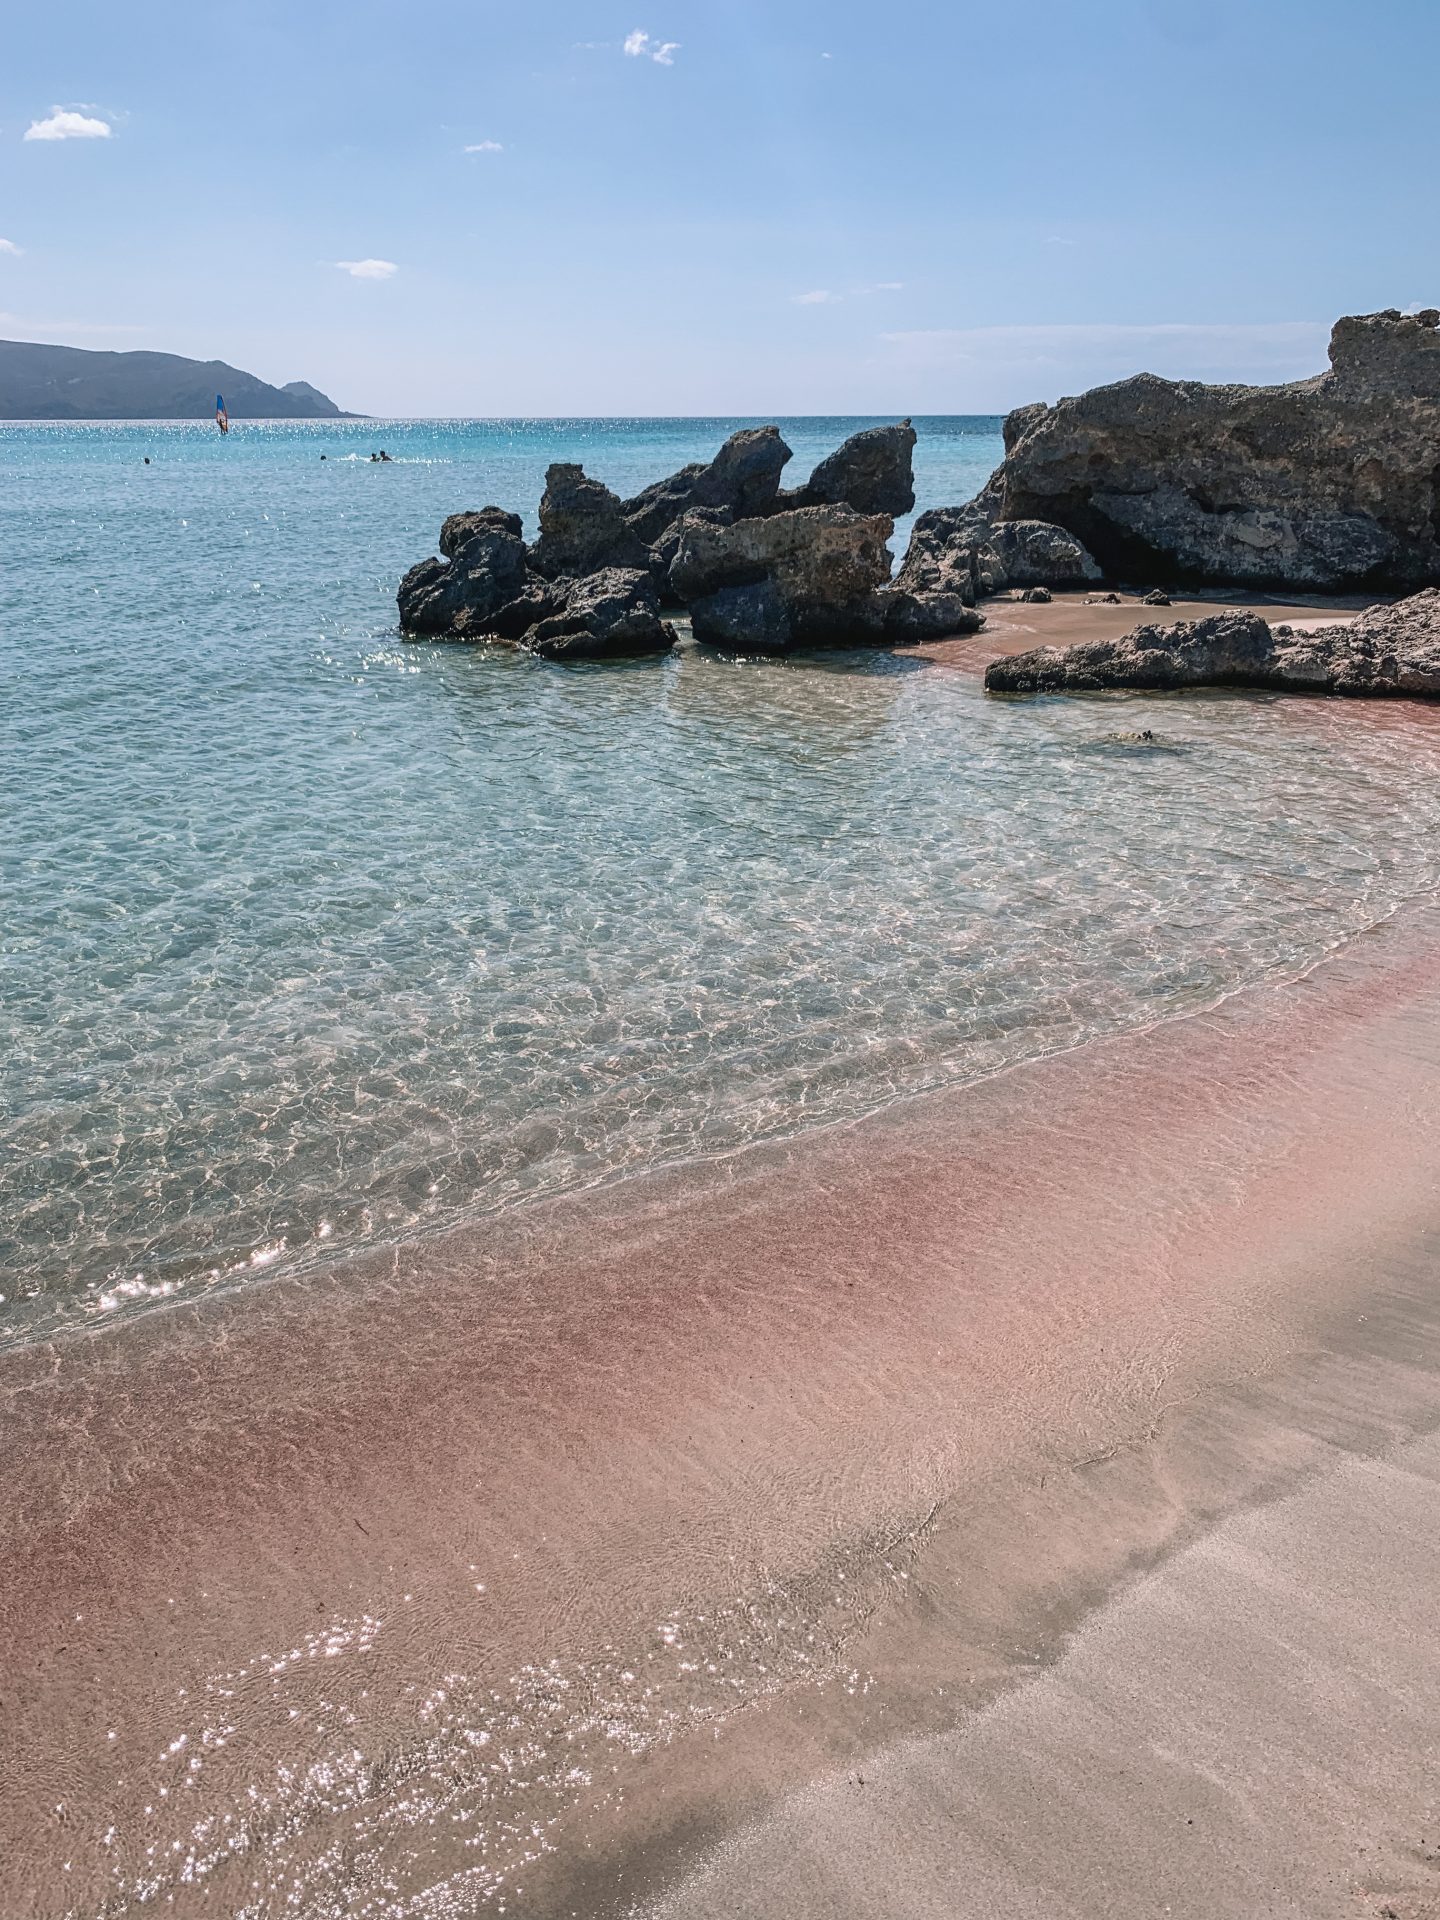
{"x":1387,"y":651}
{"x":1326,"y":485}
{"x":761,"y":571}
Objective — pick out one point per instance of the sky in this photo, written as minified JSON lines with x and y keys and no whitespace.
{"x":717,"y":206}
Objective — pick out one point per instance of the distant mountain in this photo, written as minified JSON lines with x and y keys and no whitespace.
{"x":72,"y":383}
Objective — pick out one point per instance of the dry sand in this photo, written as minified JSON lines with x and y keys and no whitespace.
{"x":1044,"y":1452}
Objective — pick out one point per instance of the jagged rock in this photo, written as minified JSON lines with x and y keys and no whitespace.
{"x":1159,"y":598}
{"x":1388,"y":651}
{"x":460,"y":527}
{"x":583,"y":528}
{"x":824,"y":564}
{"x":1103,"y":600}
{"x":487,"y":572}
{"x":743,"y":479}
{"x":610,"y":615}
{"x":1038,"y":596}
{"x":941,"y":557}
{"x":1323,"y":485}
{"x":873,"y":472}
{"x":1034,"y":553}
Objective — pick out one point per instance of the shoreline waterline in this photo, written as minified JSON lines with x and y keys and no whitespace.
{"x":583,"y":1488}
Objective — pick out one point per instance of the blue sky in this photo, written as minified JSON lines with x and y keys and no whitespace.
{"x":687,"y":206}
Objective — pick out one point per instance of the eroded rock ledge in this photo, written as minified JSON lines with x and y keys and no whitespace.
{"x":1329,"y":485}
{"x":1387,"y":651}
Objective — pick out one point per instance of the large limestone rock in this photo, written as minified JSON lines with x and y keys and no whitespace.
{"x":1036,"y":553}
{"x":872,"y":471}
{"x":820,"y":568}
{"x":583,"y":527}
{"x":1325,"y":485}
{"x":460,"y":527}
{"x":1389,"y":651}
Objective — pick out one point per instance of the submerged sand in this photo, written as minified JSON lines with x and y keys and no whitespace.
{"x":933,"y":1515}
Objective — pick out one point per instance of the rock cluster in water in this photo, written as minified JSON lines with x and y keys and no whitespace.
{"x":760,"y":569}
{"x":1328,"y":485}
{"x":1387,"y":651}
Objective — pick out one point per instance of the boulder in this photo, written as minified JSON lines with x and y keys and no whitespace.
{"x":1389,"y":651}
{"x":873,"y":472}
{"x":583,"y":528}
{"x":1323,"y":485}
{"x":743,"y":480}
{"x":1035,"y":553}
{"x":911,"y":618}
{"x":460,"y":527}
{"x":824,"y":566}
{"x":610,"y":615}
{"x":960,"y":550}
{"x":1038,"y":596}
{"x":1159,"y":598}
{"x":485,"y":575}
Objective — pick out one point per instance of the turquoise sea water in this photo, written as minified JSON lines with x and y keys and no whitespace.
{"x":312,"y":938}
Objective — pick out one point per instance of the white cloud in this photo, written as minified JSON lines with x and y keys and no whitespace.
{"x":820,"y":297}
{"x":9,"y":246}
{"x":368,"y":269}
{"x":65,"y":124}
{"x":485,"y":146}
{"x":640,"y":46}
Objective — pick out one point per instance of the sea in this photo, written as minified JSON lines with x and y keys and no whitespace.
{"x":315,"y":940}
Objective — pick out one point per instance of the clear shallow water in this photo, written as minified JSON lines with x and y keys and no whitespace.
{"x":313,"y":939}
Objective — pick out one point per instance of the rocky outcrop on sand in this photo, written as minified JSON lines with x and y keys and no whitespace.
{"x":1388,"y":651}
{"x":1325,"y":485}
{"x":806,"y":577}
{"x":760,"y":571}
{"x":961,"y":550}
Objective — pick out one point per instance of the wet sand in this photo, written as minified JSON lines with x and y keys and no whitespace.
{"x":588,"y":1559}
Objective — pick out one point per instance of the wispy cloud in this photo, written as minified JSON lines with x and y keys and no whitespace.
{"x":1050,"y":359}
{"x":819,"y":297}
{"x":640,"y":46}
{"x":64,"y":123}
{"x":485,"y":146}
{"x":9,"y":246}
{"x":1059,"y":240}
{"x":368,"y":269}
{"x":20,"y":324}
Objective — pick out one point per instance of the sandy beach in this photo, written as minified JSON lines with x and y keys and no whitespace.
{"x":544,"y":1565}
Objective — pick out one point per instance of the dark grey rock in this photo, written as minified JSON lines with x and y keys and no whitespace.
{"x":747,"y":619}
{"x":742,"y":480}
{"x":610,"y":615}
{"x":1324,"y":485}
{"x":460,"y":527}
{"x":911,"y":618}
{"x":873,"y":472}
{"x":1038,"y":596}
{"x":1159,"y":598}
{"x":583,"y":528}
{"x":487,"y":573}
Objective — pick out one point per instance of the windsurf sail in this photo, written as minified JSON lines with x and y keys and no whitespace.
{"x":222,"y":419}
